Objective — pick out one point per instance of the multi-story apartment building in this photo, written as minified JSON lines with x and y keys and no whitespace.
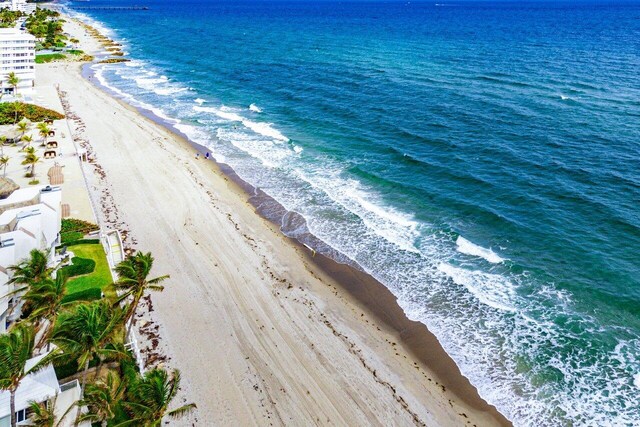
{"x":20,"y":5}
{"x":17,"y":55}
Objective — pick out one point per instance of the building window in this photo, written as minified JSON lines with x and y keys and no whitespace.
{"x":21,"y":415}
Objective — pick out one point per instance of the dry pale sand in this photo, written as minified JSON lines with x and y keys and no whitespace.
{"x":262,"y":334}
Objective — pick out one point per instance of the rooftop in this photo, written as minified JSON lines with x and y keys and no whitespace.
{"x":38,"y":386}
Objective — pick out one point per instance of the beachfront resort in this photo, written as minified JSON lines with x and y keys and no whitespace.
{"x":69,"y":293}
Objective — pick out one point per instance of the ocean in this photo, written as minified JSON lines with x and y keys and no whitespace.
{"x":481,"y":160}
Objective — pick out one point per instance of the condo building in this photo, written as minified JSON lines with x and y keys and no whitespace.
{"x":17,"y":55}
{"x":20,"y":5}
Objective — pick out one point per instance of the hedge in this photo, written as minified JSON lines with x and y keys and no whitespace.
{"x":49,"y":57}
{"x":84,"y":295}
{"x":70,"y":237}
{"x":73,"y":224}
{"x":29,"y":111}
{"x":78,"y":267}
{"x":81,"y":242}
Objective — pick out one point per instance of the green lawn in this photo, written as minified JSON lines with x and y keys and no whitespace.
{"x":99,"y":278}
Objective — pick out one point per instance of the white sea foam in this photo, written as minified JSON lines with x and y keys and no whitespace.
{"x":490,"y":289}
{"x":636,"y":380}
{"x":169,"y":90}
{"x":297,"y":149}
{"x":134,"y":63}
{"x":255,"y":108}
{"x":200,"y":136}
{"x":99,"y":74}
{"x":147,"y":82}
{"x":270,"y":154}
{"x":390,"y":224}
{"x":466,"y":247}
{"x":564,"y":97}
{"x":199,"y":101}
{"x":395,"y":227}
{"x":265,"y":129}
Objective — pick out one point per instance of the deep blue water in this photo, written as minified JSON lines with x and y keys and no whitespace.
{"x":480,"y":159}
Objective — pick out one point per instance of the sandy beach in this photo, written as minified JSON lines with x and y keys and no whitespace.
{"x":263,"y":332}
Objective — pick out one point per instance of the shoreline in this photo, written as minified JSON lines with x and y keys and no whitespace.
{"x":370,"y":292}
{"x":360,"y":289}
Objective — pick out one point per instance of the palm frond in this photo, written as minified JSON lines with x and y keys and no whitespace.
{"x":182,"y":411}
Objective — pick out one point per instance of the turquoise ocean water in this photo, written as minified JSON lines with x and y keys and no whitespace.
{"x":482,"y":160}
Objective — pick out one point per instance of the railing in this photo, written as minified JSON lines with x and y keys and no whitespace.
{"x":70,"y":385}
{"x":109,"y":248}
{"x":133,"y":346}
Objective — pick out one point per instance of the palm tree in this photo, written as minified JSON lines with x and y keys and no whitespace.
{"x":4,"y":161}
{"x":43,"y":131}
{"x":44,"y":415}
{"x":27,"y":139}
{"x":150,"y":397}
{"x":45,"y":298}
{"x":13,"y":81}
{"x":30,"y":160}
{"x":87,"y":331}
{"x":102,"y":398}
{"x":16,"y":348}
{"x":22,"y":127}
{"x":132,"y":278}
{"x":34,"y":269}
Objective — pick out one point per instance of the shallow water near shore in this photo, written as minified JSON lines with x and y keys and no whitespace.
{"x":480,"y":160}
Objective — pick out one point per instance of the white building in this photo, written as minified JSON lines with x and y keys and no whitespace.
{"x":17,"y":55}
{"x":41,"y":386}
{"x":20,"y":5}
{"x":30,"y":218}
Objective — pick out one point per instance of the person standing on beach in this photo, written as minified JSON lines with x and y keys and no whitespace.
{"x":197,"y":156}
{"x":206,"y":156}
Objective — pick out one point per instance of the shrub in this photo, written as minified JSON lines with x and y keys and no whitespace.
{"x":78,"y":267}
{"x":73,"y":224}
{"x":32,"y":112}
{"x":49,"y":57}
{"x":82,"y":242}
{"x":8,"y":17}
{"x":89,"y":294}
{"x":34,"y":182}
{"x":70,"y":237}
